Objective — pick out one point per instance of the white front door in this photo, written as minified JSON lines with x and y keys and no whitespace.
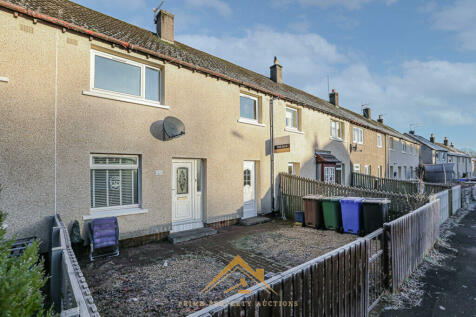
{"x":250,"y":206}
{"x":186,"y":195}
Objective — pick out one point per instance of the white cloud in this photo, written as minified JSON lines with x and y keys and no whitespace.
{"x":304,"y":55}
{"x":459,"y":17}
{"x":349,"y":4}
{"x":439,"y":94}
{"x":220,"y":6}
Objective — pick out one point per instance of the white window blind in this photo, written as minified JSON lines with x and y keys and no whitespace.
{"x":114,"y":181}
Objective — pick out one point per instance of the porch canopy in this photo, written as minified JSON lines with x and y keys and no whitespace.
{"x":326,"y":157}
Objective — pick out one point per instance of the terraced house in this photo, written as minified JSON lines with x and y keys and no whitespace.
{"x":102,"y":118}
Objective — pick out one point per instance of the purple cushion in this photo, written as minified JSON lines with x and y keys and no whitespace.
{"x":104,"y":232}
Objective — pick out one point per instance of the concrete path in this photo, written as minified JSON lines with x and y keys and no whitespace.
{"x":451,"y":290}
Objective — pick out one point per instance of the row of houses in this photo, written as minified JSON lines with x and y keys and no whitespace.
{"x":88,"y":103}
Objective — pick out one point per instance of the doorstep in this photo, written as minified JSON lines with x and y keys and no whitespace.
{"x":188,"y":235}
{"x":254,"y":221}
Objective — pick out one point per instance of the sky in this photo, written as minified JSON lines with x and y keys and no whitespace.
{"x":412,"y":61}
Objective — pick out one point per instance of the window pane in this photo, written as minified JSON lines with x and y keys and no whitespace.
{"x":100,"y":188}
{"x":116,"y":76}
{"x":248,"y":108}
{"x":152,"y":82}
{"x":291,"y":118}
{"x":182,"y":180}
{"x":114,"y":181}
{"x":199,"y":176}
{"x":127,"y":183}
{"x":129,"y":161}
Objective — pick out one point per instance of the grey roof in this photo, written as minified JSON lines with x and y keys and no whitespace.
{"x":426,"y":142}
{"x":100,"y":24}
{"x":453,"y":151}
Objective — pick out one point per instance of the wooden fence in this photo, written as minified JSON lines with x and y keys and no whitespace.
{"x":293,"y":188}
{"x":396,"y":185}
{"x":384,"y":184}
{"x":348,"y":281}
{"x":445,"y":203}
{"x":335,"y":284}
{"x":411,"y":237}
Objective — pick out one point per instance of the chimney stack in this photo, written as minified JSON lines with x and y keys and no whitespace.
{"x":452,"y":145}
{"x":412,"y":132}
{"x":165,"y":25}
{"x":276,"y":72}
{"x":367,"y":113}
{"x":334,"y":98}
{"x":432,"y":138}
{"x":445,"y":141}
{"x":380,"y":118}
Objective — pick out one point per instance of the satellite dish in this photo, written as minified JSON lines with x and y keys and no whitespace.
{"x":167,"y":129}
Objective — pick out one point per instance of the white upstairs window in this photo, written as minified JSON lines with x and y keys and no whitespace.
{"x":379,"y":140}
{"x":248,"y":108}
{"x":114,"y":76}
{"x":358,"y":135}
{"x":292,"y":118}
{"x":336,"y":130}
{"x":114,"y":181}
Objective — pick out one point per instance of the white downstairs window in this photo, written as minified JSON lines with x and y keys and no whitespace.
{"x":118,"y":77}
{"x":114,"y":182}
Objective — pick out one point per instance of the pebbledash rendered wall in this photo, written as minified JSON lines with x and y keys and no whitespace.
{"x":50,"y":128}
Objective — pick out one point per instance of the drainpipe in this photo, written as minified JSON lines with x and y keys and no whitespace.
{"x":271,"y":137}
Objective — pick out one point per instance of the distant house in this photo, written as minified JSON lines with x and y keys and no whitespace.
{"x":403,"y":157}
{"x":430,"y":153}
{"x":462,"y":160}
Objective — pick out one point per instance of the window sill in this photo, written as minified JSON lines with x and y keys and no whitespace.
{"x":137,"y":101}
{"x":4,"y":79}
{"x":293,"y":130}
{"x":95,"y":214}
{"x":251,"y":122}
{"x":336,"y":139}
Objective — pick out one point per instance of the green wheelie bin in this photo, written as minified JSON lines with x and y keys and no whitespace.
{"x":331,"y":210}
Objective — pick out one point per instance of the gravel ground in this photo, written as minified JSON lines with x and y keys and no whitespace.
{"x":155,"y":290}
{"x":157,"y":278}
{"x":292,"y":245}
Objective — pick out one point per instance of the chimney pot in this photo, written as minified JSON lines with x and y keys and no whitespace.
{"x":432,"y":138}
{"x":445,"y":141}
{"x":452,"y":145}
{"x":276,"y":72}
{"x":380,"y":118}
{"x":412,"y":131}
{"x":165,"y":25}
{"x":367,"y":113}
{"x":334,"y":98}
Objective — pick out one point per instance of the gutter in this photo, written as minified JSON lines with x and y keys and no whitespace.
{"x":129,"y":46}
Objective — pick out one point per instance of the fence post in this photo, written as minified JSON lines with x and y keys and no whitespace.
{"x":55,"y":278}
{"x":386,"y":255}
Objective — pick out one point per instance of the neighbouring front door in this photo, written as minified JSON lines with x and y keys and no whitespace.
{"x":250,"y":206}
{"x":186,"y":195}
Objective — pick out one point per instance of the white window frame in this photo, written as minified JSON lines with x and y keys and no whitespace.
{"x":136,"y":166}
{"x":109,"y":94}
{"x":339,"y":167}
{"x":404,"y":146}
{"x":298,"y":119}
{"x":367,"y":170}
{"x":354,"y":167}
{"x":257,"y":111}
{"x":379,"y":140}
{"x":391,"y":145}
{"x":334,"y":130}
{"x":329,"y":174}
{"x":293,"y":168}
{"x":358,"y":135}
